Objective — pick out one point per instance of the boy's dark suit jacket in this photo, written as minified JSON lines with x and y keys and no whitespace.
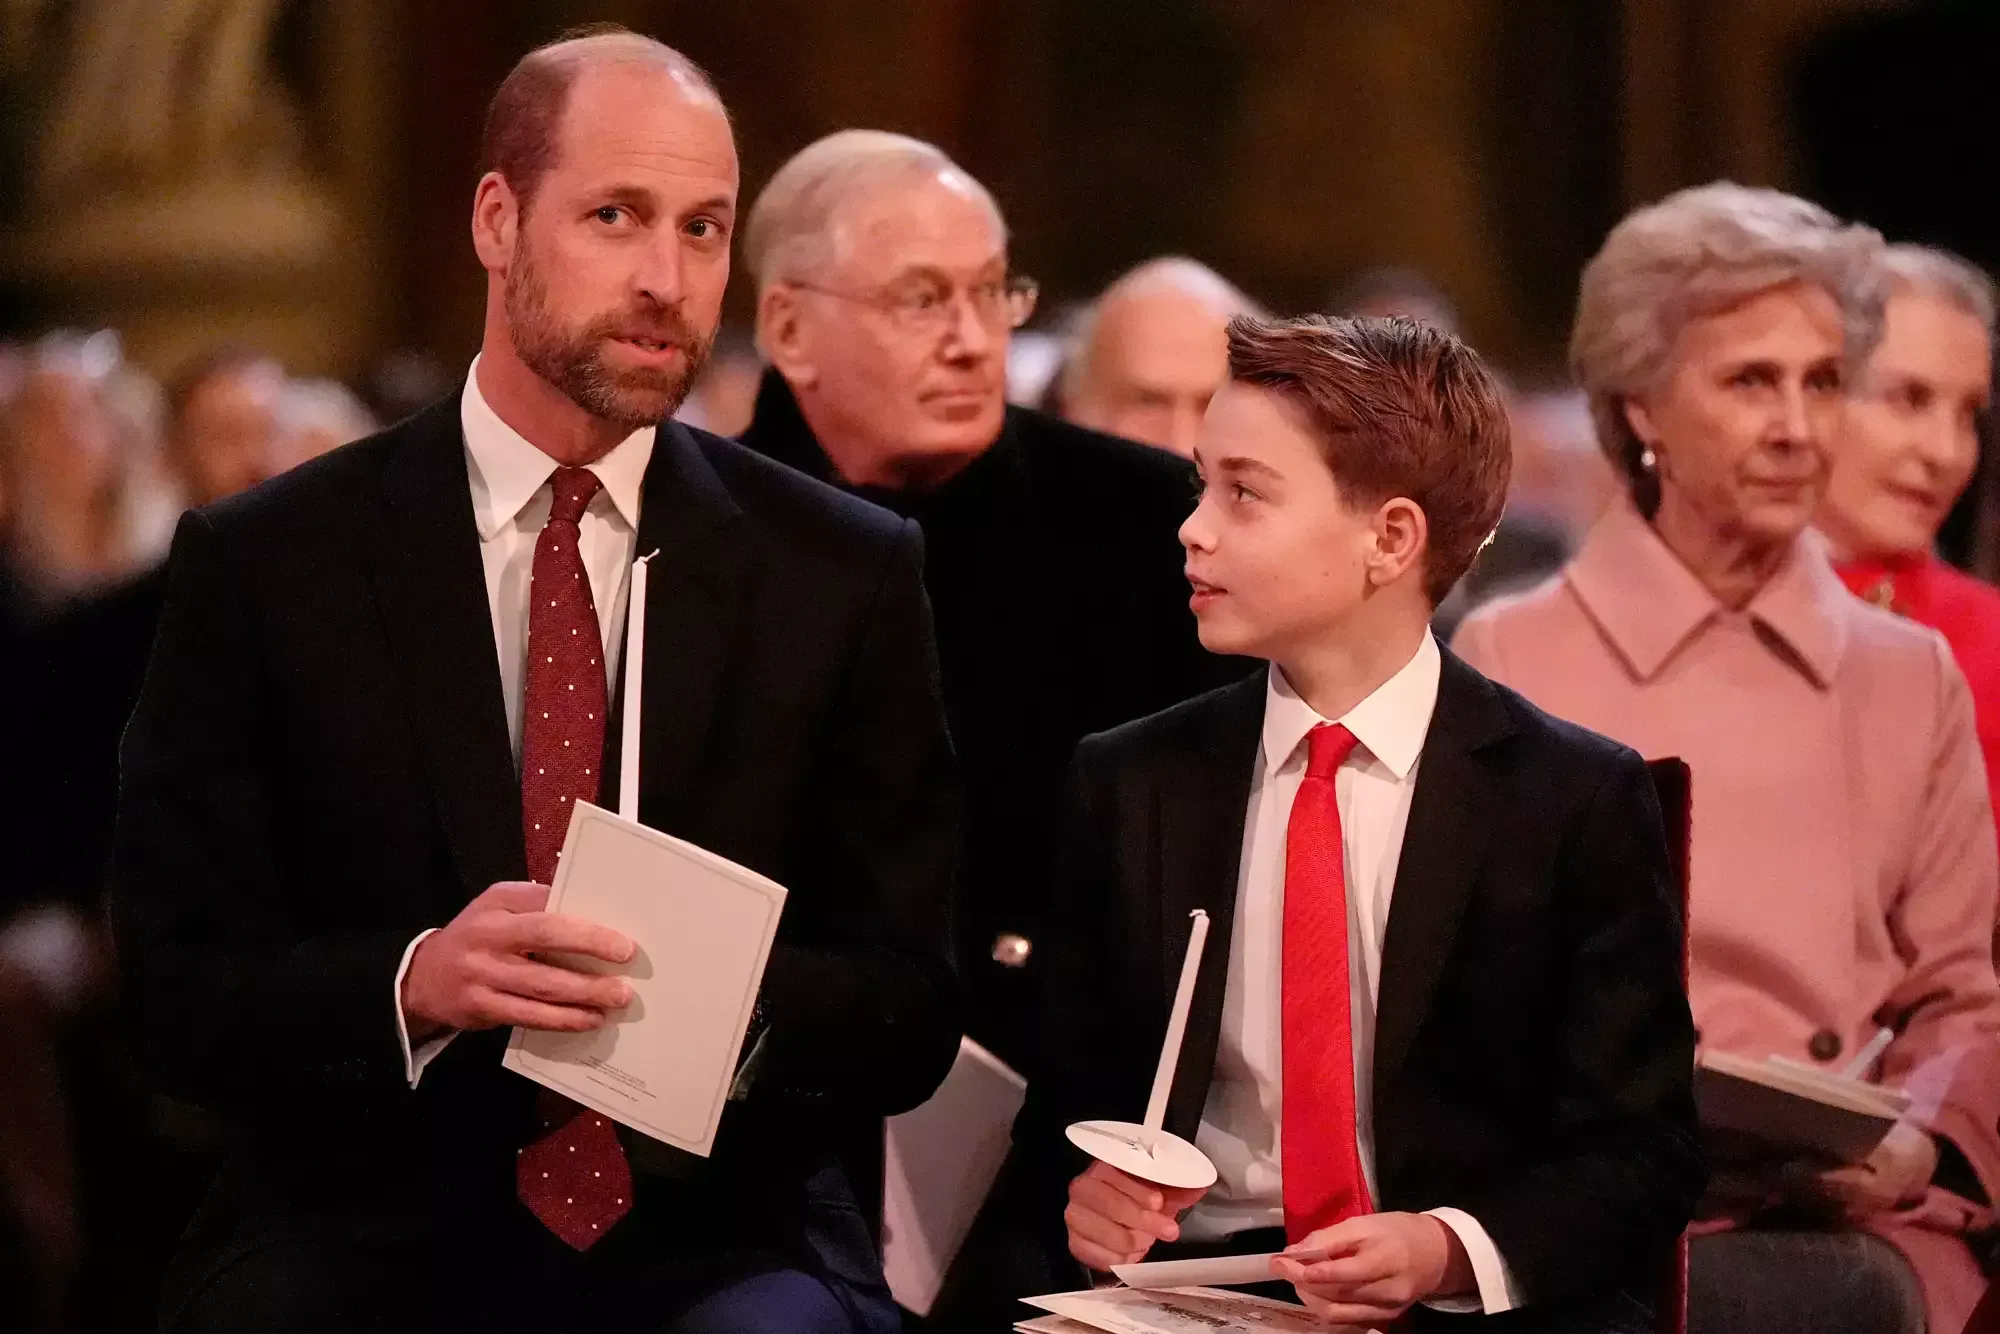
{"x":319,"y":768}
{"x":1534,"y":1054}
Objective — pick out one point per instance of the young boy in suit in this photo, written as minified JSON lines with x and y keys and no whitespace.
{"x":1440,"y":1049}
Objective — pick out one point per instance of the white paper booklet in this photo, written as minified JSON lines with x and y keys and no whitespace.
{"x":940,"y":1161}
{"x":1779,"y":1106}
{"x":1221,"y":1272}
{"x":704,"y":927}
{"x":1180,"y":1311}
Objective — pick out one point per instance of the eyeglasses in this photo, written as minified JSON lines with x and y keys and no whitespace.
{"x":930,"y":307}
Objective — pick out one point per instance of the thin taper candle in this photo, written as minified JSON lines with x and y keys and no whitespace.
{"x":1170,"y":1050}
{"x":635,"y":671}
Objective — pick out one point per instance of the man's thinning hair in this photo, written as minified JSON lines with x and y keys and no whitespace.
{"x":524,"y":120}
{"x":790,"y":231}
{"x":1401,"y":408}
{"x":1167,"y":273}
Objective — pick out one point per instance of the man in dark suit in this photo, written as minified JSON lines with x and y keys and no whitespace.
{"x":1439,"y":1050}
{"x":885,"y":306}
{"x":339,"y":797}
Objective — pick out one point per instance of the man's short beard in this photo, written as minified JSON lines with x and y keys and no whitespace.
{"x":573,"y":360}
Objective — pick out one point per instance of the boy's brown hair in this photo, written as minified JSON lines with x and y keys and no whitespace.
{"x":1401,"y":408}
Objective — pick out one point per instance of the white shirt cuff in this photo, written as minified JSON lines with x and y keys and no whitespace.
{"x":414,"y":1061}
{"x":1489,"y":1268}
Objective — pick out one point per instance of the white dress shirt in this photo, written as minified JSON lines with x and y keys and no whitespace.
{"x":511,"y":498}
{"x":1240,"y":1123}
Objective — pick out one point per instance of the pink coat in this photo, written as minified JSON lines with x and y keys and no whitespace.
{"x":1844,"y":872}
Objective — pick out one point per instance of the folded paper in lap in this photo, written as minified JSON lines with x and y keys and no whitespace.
{"x":703,"y":925}
{"x":1775,"y":1107}
{"x":1179,"y":1311}
{"x":940,"y":1161}
{"x":1223,"y":1271}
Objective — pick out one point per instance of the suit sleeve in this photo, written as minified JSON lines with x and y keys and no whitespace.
{"x":1624,"y":1168}
{"x":868,"y":1015}
{"x":1947,"y":1006}
{"x":232,"y":999}
{"x":1081,"y":1072}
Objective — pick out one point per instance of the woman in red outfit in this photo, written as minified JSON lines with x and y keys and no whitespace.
{"x":1907,"y":449}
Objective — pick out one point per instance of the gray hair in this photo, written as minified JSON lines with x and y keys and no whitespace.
{"x":790,"y":232}
{"x":1943,"y":276}
{"x":1170,"y":272}
{"x":1698,"y":252}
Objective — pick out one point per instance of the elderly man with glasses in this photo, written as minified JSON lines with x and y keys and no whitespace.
{"x":885,"y":305}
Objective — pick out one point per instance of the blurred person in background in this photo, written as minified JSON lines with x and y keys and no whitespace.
{"x":226,"y":432}
{"x":40,"y":1224}
{"x":1394,"y":290}
{"x":67,"y":461}
{"x":141,"y":1161}
{"x":1843,"y":869}
{"x":318,"y":416}
{"x":1558,"y":469}
{"x":225,"y":423}
{"x":885,"y":306}
{"x":724,"y":396}
{"x":1560,"y":487}
{"x":1906,"y":451}
{"x":404,"y":383}
{"x":1532,"y":540}
{"x":1147,"y":355}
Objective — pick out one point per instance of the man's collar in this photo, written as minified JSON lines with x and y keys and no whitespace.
{"x":779,"y":430}
{"x":1649,"y":604}
{"x":1391,"y":722}
{"x":508,"y":470}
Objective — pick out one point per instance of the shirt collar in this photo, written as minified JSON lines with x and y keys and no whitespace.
{"x":507,"y":470}
{"x":1391,"y":722}
{"x":1648,"y":604}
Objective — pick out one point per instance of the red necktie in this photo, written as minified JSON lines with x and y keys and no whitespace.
{"x":573,"y":1175}
{"x":1321,"y":1162}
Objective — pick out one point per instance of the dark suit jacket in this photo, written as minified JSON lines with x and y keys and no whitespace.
{"x":1534,"y":1053}
{"x":1054,"y":570}
{"x":90,"y":663}
{"x":319,"y":768}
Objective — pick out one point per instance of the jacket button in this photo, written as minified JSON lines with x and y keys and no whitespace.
{"x":1825,"y":1045}
{"x":1011,"y":950}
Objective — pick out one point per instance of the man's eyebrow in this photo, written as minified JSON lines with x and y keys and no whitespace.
{"x":642,"y":198}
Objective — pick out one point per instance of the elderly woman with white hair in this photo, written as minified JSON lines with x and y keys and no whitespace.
{"x":1908,"y":448}
{"x":1843,"y":867}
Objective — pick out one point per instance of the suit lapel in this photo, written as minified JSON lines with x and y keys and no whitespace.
{"x":429,"y":581}
{"x":1198,"y":814}
{"x":694,"y":595}
{"x":1452,"y":816}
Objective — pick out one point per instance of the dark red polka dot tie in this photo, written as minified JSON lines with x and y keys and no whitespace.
{"x":573,"y":1176}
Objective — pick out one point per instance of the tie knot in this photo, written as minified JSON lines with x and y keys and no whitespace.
{"x":573,"y":489}
{"x":1328,"y":747}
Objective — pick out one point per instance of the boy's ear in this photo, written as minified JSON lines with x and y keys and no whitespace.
{"x":1402,"y":536}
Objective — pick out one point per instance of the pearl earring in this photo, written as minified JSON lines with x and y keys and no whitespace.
{"x":1648,"y":460}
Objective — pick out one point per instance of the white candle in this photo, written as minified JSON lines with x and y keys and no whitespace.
{"x":1170,"y":1051}
{"x":635,"y":671}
